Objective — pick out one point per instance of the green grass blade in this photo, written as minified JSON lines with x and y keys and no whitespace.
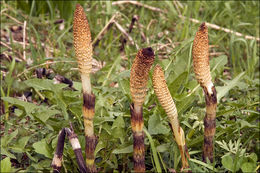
{"x":155,"y":156}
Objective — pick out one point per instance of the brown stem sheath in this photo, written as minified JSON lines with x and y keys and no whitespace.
{"x":200,"y":53}
{"x":209,"y":124}
{"x":138,"y":136}
{"x":138,"y":81}
{"x":90,"y":138}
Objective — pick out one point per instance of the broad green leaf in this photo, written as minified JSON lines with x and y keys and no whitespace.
{"x":6,"y":139}
{"x":107,"y":128}
{"x":125,"y":150}
{"x":203,"y":164}
{"x":253,"y":157}
{"x":227,"y":162}
{"x":156,"y":126}
{"x":125,"y":86}
{"x":77,"y":85}
{"x":184,"y":104}
{"x":178,"y":68}
{"x":6,"y":165}
{"x":176,"y":84}
{"x":124,"y":74}
{"x":99,"y":120}
{"x":222,"y":91}
{"x":100,"y":146}
{"x":41,"y":112}
{"x":35,"y":159}
{"x":240,"y":160}
{"x":28,"y":107}
{"x":242,"y":85}
{"x":18,"y":112}
{"x":119,"y":133}
{"x":108,"y":74}
{"x":218,"y":63}
{"x":7,"y":153}
{"x":19,"y":146}
{"x":44,"y":114}
{"x":60,"y":101}
{"x":39,"y":84}
{"x":43,"y":84}
{"x":42,"y":147}
{"x":118,"y":123}
{"x":162,"y":148}
{"x":118,"y":128}
{"x":248,"y":167}
{"x":246,"y":124}
{"x":45,"y":163}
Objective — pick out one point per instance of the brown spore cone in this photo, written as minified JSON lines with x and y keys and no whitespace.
{"x":139,"y":74}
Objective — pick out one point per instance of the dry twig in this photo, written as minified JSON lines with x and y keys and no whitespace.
{"x":104,"y":30}
{"x":24,"y":39}
{"x":139,"y":4}
{"x":126,"y":34}
{"x":14,"y":19}
{"x":210,"y":25}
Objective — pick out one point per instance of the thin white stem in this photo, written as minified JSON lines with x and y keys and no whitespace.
{"x":86,"y":84}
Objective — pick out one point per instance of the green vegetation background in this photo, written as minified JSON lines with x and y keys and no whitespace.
{"x":34,"y":110}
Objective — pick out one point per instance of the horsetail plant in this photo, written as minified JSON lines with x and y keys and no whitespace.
{"x":83,"y":49}
{"x":163,"y":94}
{"x":138,"y":82}
{"x":200,"y":53}
{"x":57,"y":159}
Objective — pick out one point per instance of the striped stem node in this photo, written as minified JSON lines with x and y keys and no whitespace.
{"x":200,"y":54}
{"x":83,"y":50}
{"x":163,"y":94}
{"x":138,"y":87}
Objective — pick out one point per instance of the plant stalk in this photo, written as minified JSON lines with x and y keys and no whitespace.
{"x":57,"y":159}
{"x":138,"y":81}
{"x":163,"y":94}
{"x":83,"y":49}
{"x":200,"y":53}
